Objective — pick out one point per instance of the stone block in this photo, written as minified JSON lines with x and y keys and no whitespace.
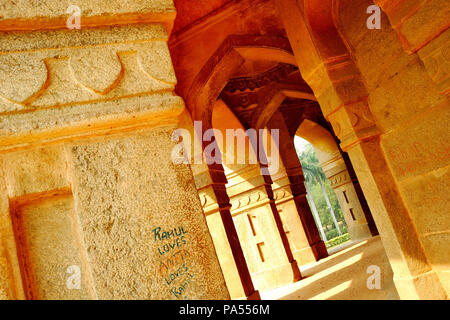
{"x":128,"y":192}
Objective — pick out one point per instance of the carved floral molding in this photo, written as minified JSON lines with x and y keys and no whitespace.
{"x":276,"y":74}
{"x":67,"y":83}
{"x":340,"y":179}
{"x":55,"y":72}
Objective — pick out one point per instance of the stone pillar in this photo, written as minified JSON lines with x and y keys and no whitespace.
{"x":98,"y":208}
{"x":418,"y":152}
{"x":210,"y":182}
{"x":342,"y":93}
{"x":338,"y":169}
{"x":216,"y":206}
{"x":362,"y":199}
{"x":294,"y":171}
{"x":11,"y":287}
{"x":299,"y":193}
{"x":342,"y":185}
{"x":260,"y":229}
{"x":292,"y":224}
{"x":413,"y":275}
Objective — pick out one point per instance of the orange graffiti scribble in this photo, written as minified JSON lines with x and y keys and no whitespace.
{"x":176,"y":259}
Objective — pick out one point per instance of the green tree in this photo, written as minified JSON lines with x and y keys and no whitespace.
{"x":316,"y":173}
{"x":321,"y":193}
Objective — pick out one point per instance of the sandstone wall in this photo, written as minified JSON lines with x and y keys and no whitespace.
{"x":91,"y":204}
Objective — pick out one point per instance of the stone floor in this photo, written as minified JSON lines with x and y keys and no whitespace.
{"x":341,"y":276}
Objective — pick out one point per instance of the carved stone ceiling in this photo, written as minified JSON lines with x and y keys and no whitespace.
{"x":244,"y":93}
{"x":258,"y":77}
{"x":295,"y":111}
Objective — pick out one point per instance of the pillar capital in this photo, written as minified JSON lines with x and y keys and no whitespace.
{"x":282,"y":190}
{"x":51,"y":15}
{"x":343,"y":98}
{"x":339,"y":179}
{"x":80,"y":83}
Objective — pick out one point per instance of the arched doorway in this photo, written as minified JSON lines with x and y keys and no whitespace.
{"x":335,"y":67}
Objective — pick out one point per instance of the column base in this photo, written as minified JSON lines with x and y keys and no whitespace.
{"x":277,"y":277}
{"x":425,"y":286}
{"x":304,"y":256}
{"x":359,"y":232}
{"x":253,"y":296}
{"x":320,"y":250}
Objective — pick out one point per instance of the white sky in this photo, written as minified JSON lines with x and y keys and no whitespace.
{"x":300,"y":143}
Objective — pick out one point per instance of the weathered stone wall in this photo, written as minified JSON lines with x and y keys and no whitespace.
{"x":88,"y":188}
{"x":413,"y":112}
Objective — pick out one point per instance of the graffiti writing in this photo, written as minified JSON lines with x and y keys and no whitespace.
{"x":175,"y":239}
{"x":179,"y":290}
{"x":176,"y":259}
{"x":173,"y":266}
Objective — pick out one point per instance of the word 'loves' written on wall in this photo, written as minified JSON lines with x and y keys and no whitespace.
{"x":173,"y":267}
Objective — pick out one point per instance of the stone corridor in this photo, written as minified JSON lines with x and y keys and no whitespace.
{"x":341,"y":276}
{"x":147,"y":148}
